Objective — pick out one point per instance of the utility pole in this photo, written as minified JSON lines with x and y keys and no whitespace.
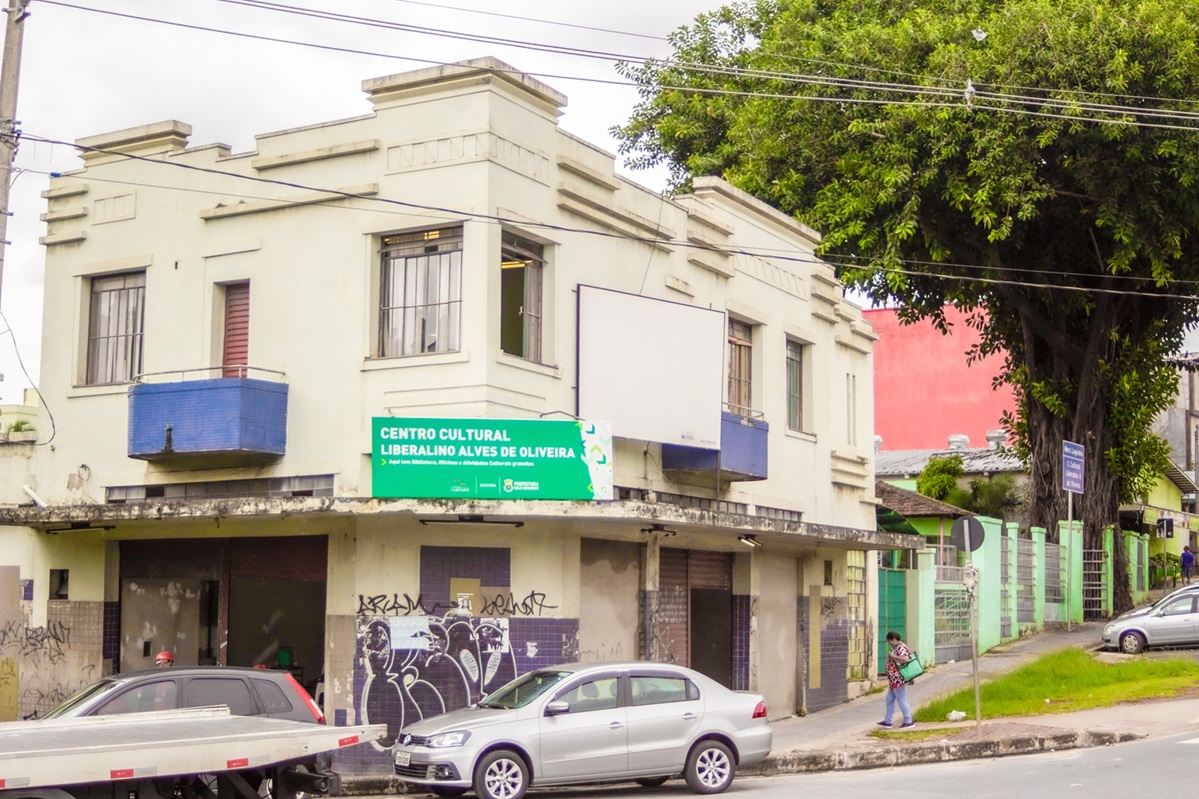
{"x":10,"y":75}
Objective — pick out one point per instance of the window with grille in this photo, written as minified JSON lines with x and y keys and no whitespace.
{"x":420,"y":294}
{"x":795,"y":385}
{"x":116,"y":322}
{"x":740,"y":375}
{"x":855,"y":594}
{"x":522,"y":274}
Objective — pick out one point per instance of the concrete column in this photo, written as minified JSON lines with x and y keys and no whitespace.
{"x":1109,"y":567}
{"x":1070,"y":536}
{"x":987,"y":559}
{"x":755,"y":593}
{"x":920,"y":595}
{"x":650,"y":552}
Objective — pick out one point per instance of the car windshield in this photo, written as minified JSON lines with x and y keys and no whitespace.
{"x":524,"y":690}
{"x":71,"y":706}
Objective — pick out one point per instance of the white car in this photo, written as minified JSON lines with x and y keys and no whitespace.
{"x":588,"y":722}
{"x":1172,"y":621}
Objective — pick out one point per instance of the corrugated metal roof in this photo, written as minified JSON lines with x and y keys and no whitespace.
{"x":977,"y":460}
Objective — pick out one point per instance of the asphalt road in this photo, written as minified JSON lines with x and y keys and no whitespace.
{"x":1162,"y":768}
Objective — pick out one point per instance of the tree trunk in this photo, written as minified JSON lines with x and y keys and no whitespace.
{"x":1097,"y":507}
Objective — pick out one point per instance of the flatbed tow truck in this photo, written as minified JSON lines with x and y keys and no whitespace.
{"x":198,"y":753}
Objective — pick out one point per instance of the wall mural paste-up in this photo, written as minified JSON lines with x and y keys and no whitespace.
{"x":419,"y":666}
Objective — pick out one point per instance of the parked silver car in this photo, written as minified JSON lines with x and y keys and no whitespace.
{"x":588,"y":722}
{"x":1173,"y":621}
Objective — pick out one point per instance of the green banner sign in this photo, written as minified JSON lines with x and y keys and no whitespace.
{"x":491,"y":459}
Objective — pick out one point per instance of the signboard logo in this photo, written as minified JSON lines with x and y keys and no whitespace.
{"x":423,"y":458}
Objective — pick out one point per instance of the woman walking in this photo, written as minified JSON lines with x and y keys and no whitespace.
{"x":897,"y":686}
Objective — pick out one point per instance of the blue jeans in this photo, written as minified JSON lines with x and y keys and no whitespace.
{"x":899,"y":695}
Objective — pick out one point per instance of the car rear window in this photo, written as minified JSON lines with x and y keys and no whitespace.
{"x":272,"y":697}
{"x":659,"y":690}
{"x":205,"y":691}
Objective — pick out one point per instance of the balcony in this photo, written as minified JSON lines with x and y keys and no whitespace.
{"x":208,"y":422}
{"x":741,"y":457}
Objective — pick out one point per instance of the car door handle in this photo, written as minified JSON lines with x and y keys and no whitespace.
{"x":689,"y":717}
{"x":616,"y":725}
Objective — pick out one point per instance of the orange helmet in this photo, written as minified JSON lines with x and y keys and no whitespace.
{"x":164,"y":657}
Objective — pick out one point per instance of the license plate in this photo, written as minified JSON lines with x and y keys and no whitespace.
{"x":403,"y":758}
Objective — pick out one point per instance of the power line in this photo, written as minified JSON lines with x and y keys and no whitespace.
{"x":682,"y":244}
{"x":954,"y":97}
{"x":521,"y":18}
{"x":761,"y":252}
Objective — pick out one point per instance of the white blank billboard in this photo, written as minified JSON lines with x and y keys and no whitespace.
{"x":654,"y":369}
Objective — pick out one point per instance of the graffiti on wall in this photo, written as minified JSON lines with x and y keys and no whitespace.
{"x":419,"y":666}
{"x":36,"y":645}
{"x":500,"y":604}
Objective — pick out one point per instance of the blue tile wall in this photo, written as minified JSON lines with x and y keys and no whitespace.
{"x":834,"y":661}
{"x":111,"y":636}
{"x":221,"y":415}
{"x":741,"y":625}
{"x":491,"y":566}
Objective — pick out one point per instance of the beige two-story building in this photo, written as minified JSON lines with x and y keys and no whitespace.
{"x":416,"y":401}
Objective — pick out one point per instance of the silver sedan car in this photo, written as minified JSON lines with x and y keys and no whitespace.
{"x":588,"y":722}
{"x":1174,"y":621}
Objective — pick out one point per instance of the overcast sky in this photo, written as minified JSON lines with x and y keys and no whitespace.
{"x":86,"y":72}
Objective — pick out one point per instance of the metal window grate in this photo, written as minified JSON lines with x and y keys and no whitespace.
{"x":1142,"y":559}
{"x":855,"y":575}
{"x":1094,"y":584}
{"x":704,"y":503}
{"x":1007,"y":573}
{"x":951,"y":620}
{"x":740,"y":375}
{"x":420,"y":294}
{"x":116,"y":323}
{"x":1026,"y":604}
{"x":794,"y":385}
{"x":1053,"y":573}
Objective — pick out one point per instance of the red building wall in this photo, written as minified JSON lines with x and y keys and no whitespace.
{"x":923,"y":389}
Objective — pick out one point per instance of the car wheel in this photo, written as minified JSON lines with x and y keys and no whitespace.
{"x":651,"y":782}
{"x":501,"y":774}
{"x":1132,"y":643}
{"x":448,"y":793}
{"x":710,"y":767}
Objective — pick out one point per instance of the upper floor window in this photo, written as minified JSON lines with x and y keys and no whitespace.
{"x":116,"y":321}
{"x":795,"y":392}
{"x":420,"y":293}
{"x":740,"y":374}
{"x":851,"y":408}
{"x":522,"y":278}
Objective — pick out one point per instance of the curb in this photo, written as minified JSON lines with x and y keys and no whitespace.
{"x":937,"y":752}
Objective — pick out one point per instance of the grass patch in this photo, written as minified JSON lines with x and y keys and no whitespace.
{"x":1066,"y":681}
{"x":915,"y":735}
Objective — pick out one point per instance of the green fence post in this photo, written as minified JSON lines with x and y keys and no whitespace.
{"x":1109,"y":566}
{"x":1038,"y":575}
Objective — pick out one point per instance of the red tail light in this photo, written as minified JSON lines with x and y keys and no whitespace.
{"x":312,"y":705}
{"x":760,"y":711}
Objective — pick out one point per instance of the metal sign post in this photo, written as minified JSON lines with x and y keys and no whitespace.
{"x":1073,"y":472}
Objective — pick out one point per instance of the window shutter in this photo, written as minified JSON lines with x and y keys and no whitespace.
{"x":237,"y":330}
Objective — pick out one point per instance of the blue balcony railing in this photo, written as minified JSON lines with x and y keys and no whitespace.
{"x":210,"y":422}
{"x":742,"y":453}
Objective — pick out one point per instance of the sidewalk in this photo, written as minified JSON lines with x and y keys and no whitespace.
{"x":839,"y":738}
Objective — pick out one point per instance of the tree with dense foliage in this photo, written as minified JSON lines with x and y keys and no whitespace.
{"x":1033,"y":162}
{"x":939,"y":477}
